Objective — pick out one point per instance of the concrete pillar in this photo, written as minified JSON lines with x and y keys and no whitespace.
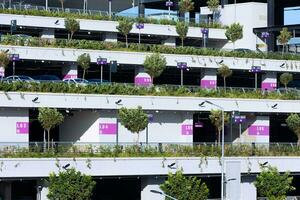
{"x":248,"y":189}
{"x":233,"y":180}
{"x":42,"y":190}
{"x":70,"y":71}
{"x":141,"y":9}
{"x":151,"y":183}
{"x":5,"y":190}
{"x":142,"y":78}
{"x":258,"y":129}
{"x":170,"y":41}
{"x":209,"y":79}
{"x":269,"y":81}
{"x":47,"y":34}
{"x":110,"y":37}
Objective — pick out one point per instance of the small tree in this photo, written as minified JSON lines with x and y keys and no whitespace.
{"x":155,"y":65}
{"x":234,"y":32}
{"x":4,"y":60}
{"x":135,"y":120}
{"x":185,"y":6}
{"x":84,"y":61}
{"x":273,"y":185}
{"x":72,"y":25}
{"x":62,"y":4}
{"x":284,"y":37}
{"x":216,"y":119}
{"x":70,"y":184}
{"x":124,"y":27}
{"x":182,"y":29}
{"x":49,"y":118}
{"x":225,"y":72}
{"x":213,"y":6}
{"x":293,"y":122}
{"x":285,"y":79}
{"x":184,"y":188}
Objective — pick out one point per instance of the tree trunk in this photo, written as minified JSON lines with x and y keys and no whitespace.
{"x":83,"y":76}
{"x":138,"y":138}
{"x":298,"y":143}
{"x":224,"y":79}
{"x":72,"y":33}
{"x":62,"y":6}
{"x":233,"y":45}
{"x":182,"y":42}
{"x":219,"y":139}
{"x":285,"y":85}
{"x":126,"y":41}
{"x":48,"y":139}
{"x":282,"y":50}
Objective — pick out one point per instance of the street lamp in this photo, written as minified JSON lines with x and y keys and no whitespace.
{"x":139,"y":26}
{"x":204,"y":32}
{"x":255,"y":70}
{"x":169,"y":4}
{"x":222,"y":145}
{"x":163,"y":194}
{"x":14,"y":58}
{"x":101,"y":62}
{"x":182,"y":66}
{"x":109,"y":7}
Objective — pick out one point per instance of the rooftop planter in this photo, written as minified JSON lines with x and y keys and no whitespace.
{"x":119,"y":46}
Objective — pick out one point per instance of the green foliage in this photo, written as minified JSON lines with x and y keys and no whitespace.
{"x":119,"y":46}
{"x":285,"y":78}
{"x":135,"y":120}
{"x":72,"y":25}
{"x":273,"y":185}
{"x":182,"y":29}
{"x":293,"y":122}
{"x":184,"y":188}
{"x":225,"y":72}
{"x":213,"y":6}
{"x":186,"y":6}
{"x":84,"y":61}
{"x":155,"y":65}
{"x":216,"y":119}
{"x":284,"y":37}
{"x":234,"y":32}
{"x":4,"y":59}
{"x":124,"y":27}
{"x":70,"y":184}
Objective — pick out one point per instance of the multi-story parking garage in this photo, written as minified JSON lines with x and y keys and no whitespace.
{"x":179,"y":103}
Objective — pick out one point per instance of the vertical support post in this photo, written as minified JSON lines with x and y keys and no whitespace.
{"x":109,"y":7}
{"x":222,"y":157}
{"x":117,"y":136}
{"x":240,"y":132}
{"x":14,"y":68}
{"x":46,"y":5}
{"x":101,"y":74}
{"x":181,"y":77}
{"x":255,"y":80}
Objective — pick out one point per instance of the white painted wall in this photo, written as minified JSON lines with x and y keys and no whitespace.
{"x":151,"y":183}
{"x":248,"y":189}
{"x":83,"y":126}
{"x":8,"y":121}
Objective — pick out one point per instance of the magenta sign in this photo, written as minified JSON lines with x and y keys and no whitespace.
{"x":142,"y":81}
{"x":68,"y":76}
{"x":268,"y":86}
{"x":186,"y":129}
{"x":259,"y":130}
{"x":108,"y":128}
{"x":22,"y":127}
{"x":210,"y":84}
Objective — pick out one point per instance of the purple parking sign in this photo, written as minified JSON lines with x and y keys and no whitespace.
{"x":186,"y":129}
{"x":259,"y":130}
{"x":22,"y":127}
{"x":108,"y":128}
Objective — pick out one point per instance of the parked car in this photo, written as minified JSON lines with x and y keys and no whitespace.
{"x":47,"y":78}
{"x":21,"y":78}
{"x":243,"y":50}
{"x":76,"y":81}
{"x":98,"y":81}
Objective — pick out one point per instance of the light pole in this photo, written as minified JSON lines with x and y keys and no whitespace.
{"x":14,"y":58}
{"x":222,"y":145}
{"x":182,"y":66}
{"x":46,"y":5}
{"x":163,"y":194}
{"x":101,"y":62}
{"x":109,"y":7}
{"x":255,"y":70}
{"x":139,"y":26}
{"x":169,"y":4}
{"x":204,"y":32}
{"x":265,"y":36}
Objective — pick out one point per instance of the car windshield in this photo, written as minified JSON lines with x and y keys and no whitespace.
{"x":25,"y":78}
{"x":79,"y":80}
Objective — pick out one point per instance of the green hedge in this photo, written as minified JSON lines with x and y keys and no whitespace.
{"x":102,"y":17}
{"x":170,"y":150}
{"x":119,"y":46}
{"x":127,"y":89}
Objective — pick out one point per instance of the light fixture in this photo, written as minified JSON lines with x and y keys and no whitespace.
{"x":171,"y":166}
{"x":282,"y":65}
{"x":66,"y":166}
{"x":6,"y":51}
{"x":67,"y":111}
{"x":201,"y":104}
{"x":118,"y":102}
{"x":274,"y":106}
{"x":221,"y":62}
{"x":35,"y":100}
{"x":56,"y":22}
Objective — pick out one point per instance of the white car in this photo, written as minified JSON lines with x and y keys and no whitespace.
{"x":76,"y":81}
{"x":20,"y":78}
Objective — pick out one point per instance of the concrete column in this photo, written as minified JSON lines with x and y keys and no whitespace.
{"x":110,"y":37}
{"x":258,"y":129}
{"x":269,"y":81}
{"x":233,"y":180}
{"x":42,"y":190}
{"x":248,"y":189}
{"x":170,"y":41}
{"x":47,"y":34}
{"x":209,"y":79}
{"x":141,"y":9}
{"x":70,"y":71}
{"x":5,"y":190}
{"x":151,"y":183}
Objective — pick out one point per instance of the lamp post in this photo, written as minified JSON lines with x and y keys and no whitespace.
{"x":169,"y":4}
{"x":182,"y":66}
{"x":240,"y":119}
{"x":222,"y":145}
{"x":265,"y":36}
{"x":46,"y":5}
{"x":255,"y":70}
{"x":204,"y":32}
{"x":101,"y":62}
{"x":139,"y":26}
{"x":163,"y":194}
{"x":109,"y":7}
{"x":14,"y":58}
